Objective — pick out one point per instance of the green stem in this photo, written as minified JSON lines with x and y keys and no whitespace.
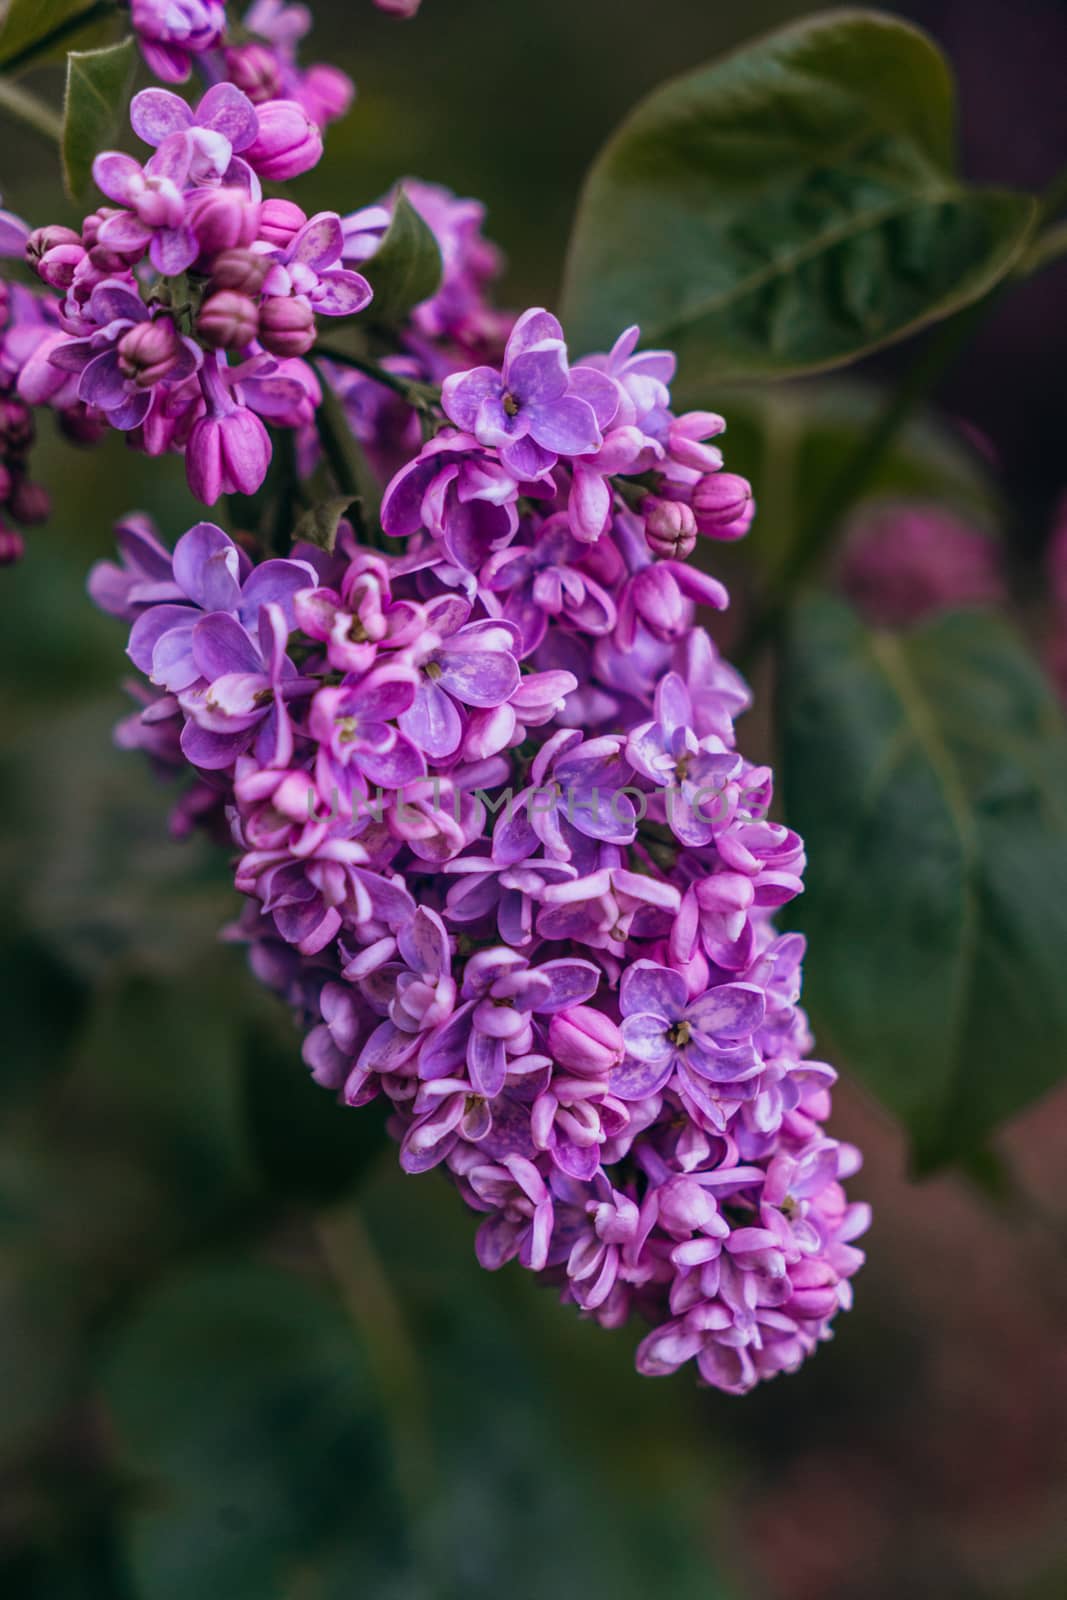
{"x":820,"y":529}
{"x":63,"y":30}
{"x":376,"y":1314}
{"x":28,"y":109}
{"x":416,"y":394}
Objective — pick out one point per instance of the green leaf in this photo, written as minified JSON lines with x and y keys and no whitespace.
{"x":318,"y":525}
{"x":406,"y":267}
{"x":41,"y":29}
{"x":98,"y":88}
{"x":249,"y":1416}
{"x":927,"y":772}
{"x":789,"y":207}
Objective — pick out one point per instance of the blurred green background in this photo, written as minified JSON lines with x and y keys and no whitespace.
{"x":243,"y":1357}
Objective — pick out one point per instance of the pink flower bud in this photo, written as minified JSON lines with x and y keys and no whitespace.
{"x":29,"y":503}
{"x":228,"y":320}
{"x":149,"y":351}
{"x":12,"y":547}
{"x":222,"y":219}
{"x":814,"y":1291}
{"x":287,"y":325}
{"x":54,"y":253}
{"x":585,"y":1041}
{"x":660,"y":603}
{"x":280,"y":221}
{"x":326,"y":93}
{"x":723,"y":505}
{"x":670,"y":528}
{"x":288,"y":142}
{"x":256,"y":71}
{"x":81,"y":424}
{"x":227,"y":454}
{"x":240,"y":270}
{"x":16,"y":426}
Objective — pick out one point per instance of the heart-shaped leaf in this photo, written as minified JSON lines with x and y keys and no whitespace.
{"x":928,"y":773}
{"x":406,"y":267}
{"x":789,"y":207}
{"x":98,"y":89}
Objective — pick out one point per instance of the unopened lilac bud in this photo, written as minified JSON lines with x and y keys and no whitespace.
{"x":585,"y":1041}
{"x":670,"y":528}
{"x":16,"y":426}
{"x":240,"y":270}
{"x":81,"y":424}
{"x":280,"y":221}
{"x":288,"y":142}
{"x":29,"y":502}
{"x":228,"y":320}
{"x":287,"y":325}
{"x":326,"y":93}
{"x":660,"y":603}
{"x":94,"y":222}
{"x":222,"y":219}
{"x":149,"y":351}
{"x":54,"y":253}
{"x":685,"y":440}
{"x":723,"y":505}
{"x":12,"y":546}
{"x":227,"y":454}
{"x":814,"y":1291}
{"x":256,"y":70}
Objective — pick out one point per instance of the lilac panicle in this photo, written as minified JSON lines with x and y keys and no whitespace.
{"x":497,"y":844}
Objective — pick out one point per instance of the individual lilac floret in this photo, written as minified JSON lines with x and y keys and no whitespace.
{"x":703,"y":1040}
{"x":132,"y":352}
{"x":172,"y":32}
{"x":535,"y":409}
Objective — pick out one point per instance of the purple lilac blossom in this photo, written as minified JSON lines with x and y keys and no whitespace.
{"x":500,"y":852}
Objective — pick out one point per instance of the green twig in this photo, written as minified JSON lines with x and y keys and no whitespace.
{"x":26,"y":108}
{"x":420,"y":396}
{"x":67,"y":29}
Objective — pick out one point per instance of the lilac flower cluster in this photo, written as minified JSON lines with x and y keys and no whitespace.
{"x":27,"y":320}
{"x":500,"y":852}
{"x":260,"y":56}
{"x":188,"y":266}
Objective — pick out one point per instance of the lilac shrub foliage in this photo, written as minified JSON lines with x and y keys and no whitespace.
{"x":496,"y":843}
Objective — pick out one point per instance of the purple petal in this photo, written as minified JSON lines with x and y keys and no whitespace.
{"x":478,"y":680}
{"x":226,"y":110}
{"x":172,"y":160}
{"x":156,"y":114}
{"x":101,"y":383}
{"x":645,"y":1036}
{"x":124,"y":231}
{"x":637,"y":1080}
{"x":221,"y":646}
{"x":213,"y":751}
{"x":174,"y":249}
{"x":572,"y":982}
{"x":118,"y":176}
{"x":598,"y":391}
{"x":150,"y":628}
{"x":487,"y":1064}
{"x":341,"y":293}
{"x":132,"y":411}
{"x":539,"y":376}
{"x":319,"y":243}
{"x":648,"y":987}
{"x":424,"y":944}
{"x":112,"y":301}
{"x":731,"y":1011}
{"x":462,"y":394}
{"x":566,"y":426}
{"x":432,"y":721}
{"x":394,"y":768}
{"x":207,"y":566}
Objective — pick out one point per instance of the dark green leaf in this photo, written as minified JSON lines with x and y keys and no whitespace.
{"x":98,"y":88}
{"x":253,"y":1428}
{"x":406,"y":267}
{"x":45,"y":28}
{"x":320,"y":522}
{"x":928,"y":774}
{"x":788,"y":207}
